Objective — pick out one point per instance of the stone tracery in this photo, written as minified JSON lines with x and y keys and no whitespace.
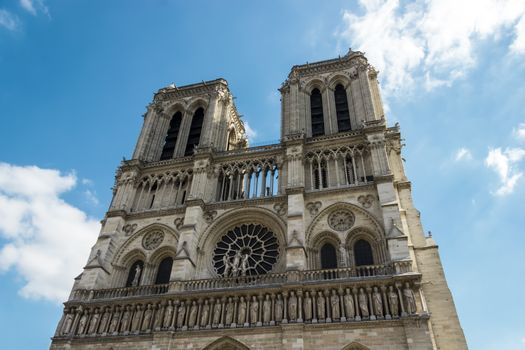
{"x":246,"y":250}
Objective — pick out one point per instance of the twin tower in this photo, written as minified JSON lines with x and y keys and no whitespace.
{"x":312,"y":242}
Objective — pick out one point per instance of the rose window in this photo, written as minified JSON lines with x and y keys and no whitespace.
{"x":341,"y":220}
{"x":152,"y":240}
{"x":246,"y":250}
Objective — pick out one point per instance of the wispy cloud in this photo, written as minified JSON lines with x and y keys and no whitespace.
{"x":8,"y":20}
{"x":430,"y":43}
{"x":42,"y":233}
{"x":34,"y":6}
{"x":250,"y":133}
{"x":519,"y":132}
{"x":505,"y":164}
{"x":462,"y":154}
{"x":91,"y":197}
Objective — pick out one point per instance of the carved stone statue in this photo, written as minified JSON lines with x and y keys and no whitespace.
{"x":292,"y":307}
{"x":192,"y":318}
{"x":348,"y":301}
{"x":244,"y":264}
{"x":68,"y":322}
{"x":410,"y":299}
{"x":93,"y":323}
{"x":147,"y":318}
{"x":235,"y":264}
{"x":363,"y":303}
{"x":227,"y":266}
{"x":205,"y":312}
{"x":378,"y":303}
{"x":279,"y":308}
{"x":394,"y":301}
{"x":334,"y":303}
{"x":217,"y":308}
{"x":228,"y":318}
{"x":114,"y":321}
{"x":254,"y":310}
{"x":307,"y":307}
{"x":181,"y":313}
{"x":82,"y":323}
{"x":105,"y":320}
{"x":320,"y":306}
{"x":124,"y":322}
{"x":135,"y":323}
{"x":136,"y":277}
{"x":267,"y":309}
{"x":168,"y":315}
{"x":241,"y":311}
{"x":158,"y":309}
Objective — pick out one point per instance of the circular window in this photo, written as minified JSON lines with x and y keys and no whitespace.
{"x":341,"y":220}
{"x":246,"y":250}
{"x":152,"y":240}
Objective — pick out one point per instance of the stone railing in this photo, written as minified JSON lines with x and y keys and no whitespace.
{"x":270,"y":279}
{"x":348,"y":300}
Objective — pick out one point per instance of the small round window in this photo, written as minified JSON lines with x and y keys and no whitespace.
{"x":246,"y":250}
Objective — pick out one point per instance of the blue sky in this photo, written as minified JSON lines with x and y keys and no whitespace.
{"x":75,"y":77}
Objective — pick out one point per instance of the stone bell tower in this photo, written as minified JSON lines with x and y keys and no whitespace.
{"x":313,"y":241}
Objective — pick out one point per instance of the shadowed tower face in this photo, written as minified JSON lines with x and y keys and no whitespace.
{"x":210,"y":244}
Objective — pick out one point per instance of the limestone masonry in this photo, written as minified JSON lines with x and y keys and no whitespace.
{"x":311,"y":243}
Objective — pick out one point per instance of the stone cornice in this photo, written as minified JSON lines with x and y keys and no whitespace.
{"x":245,"y":203}
{"x":146,"y":214}
{"x":205,"y":87}
{"x":328,"y":191}
{"x":334,"y":64}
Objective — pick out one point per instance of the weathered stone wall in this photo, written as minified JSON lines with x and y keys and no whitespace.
{"x":375,"y":336}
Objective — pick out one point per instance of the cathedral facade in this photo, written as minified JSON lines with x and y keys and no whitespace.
{"x":311,"y":242}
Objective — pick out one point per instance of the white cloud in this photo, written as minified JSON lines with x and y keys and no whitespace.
{"x":43,"y":234}
{"x":462,"y":154}
{"x":8,"y":20}
{"x":250,"y":133}
{"x":33,"y":6}
{"x":91,"y":197}
{"x":519,"y":132}
{"x":504,"y":163}
{"x":518,"y":46}
{"x":430,"y":42}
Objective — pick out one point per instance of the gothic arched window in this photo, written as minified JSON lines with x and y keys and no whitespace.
{"x":328,"y":256}
{"x":171,"y":137}
{"x":164,"y":271}
{"x":195,"y":131}
{"x":232,"y":140}
{"x":363,"y":253}
{"x":320,"y":175}
{"x":341,"y":109}
{"x":316,"y":109}
{"x":135,"y":274}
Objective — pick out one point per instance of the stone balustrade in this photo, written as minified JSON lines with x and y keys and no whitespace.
{"x":330,"y":301}
{"x":308,"y":276}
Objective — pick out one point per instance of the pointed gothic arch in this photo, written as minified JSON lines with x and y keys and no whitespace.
{"x":360,"y":213}
{"x":226,"y":343}
{"x":355,"y":346}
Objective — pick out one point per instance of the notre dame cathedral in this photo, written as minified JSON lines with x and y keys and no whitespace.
{"x":310,"y":243}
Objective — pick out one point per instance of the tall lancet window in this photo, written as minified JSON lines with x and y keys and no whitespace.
{"x":363,"y":253}
{"x":171,"y":137}
{"x":316,"y":108}
{"x":341,"y":109}
{"x":164,"y":271}
{"x":195,"y":131}
{"x":232,"y":140}
{"x":328,"y":257}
